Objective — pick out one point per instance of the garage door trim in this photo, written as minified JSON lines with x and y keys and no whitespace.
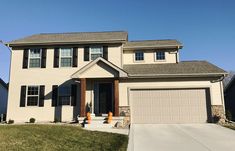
{"x":207,"y":90}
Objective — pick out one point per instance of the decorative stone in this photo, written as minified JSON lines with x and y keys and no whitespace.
{"x":126,"y":122}
{"x":118,"y":125}
{"x":218,"y":115}
{"x":124,"y":111}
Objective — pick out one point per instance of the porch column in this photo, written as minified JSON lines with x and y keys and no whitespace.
{"x":116,"y":97}
{"x":83,"y":97}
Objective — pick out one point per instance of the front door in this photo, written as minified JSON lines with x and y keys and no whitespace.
{"x":105,"y":99}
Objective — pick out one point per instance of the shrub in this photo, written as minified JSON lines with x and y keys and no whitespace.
{"x":56,"y":120}
{"x":10,"y":121}
{"x":32,"y":120}
{"x":228,"y":115}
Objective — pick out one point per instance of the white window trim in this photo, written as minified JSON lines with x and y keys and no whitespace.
{"x":96,"y":53}
{"x":32,"y":95}
{"x":70,"y":97}
{"x":65,"y":57}
{"x":135,"y":56}
{"x":34,"y":58}
{"x":155,"y":57}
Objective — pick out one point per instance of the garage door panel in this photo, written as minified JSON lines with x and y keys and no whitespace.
{"x":169,"y":106}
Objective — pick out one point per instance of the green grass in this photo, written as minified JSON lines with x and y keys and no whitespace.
{"x":56,"y":138}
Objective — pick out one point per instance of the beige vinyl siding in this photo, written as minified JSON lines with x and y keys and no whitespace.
{"x":126,"y":85}
{"x":149,"y":57}
{"x":47,"y":76}
{"x":169,"y":106}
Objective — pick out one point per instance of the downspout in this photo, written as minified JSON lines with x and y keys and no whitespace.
{"x":177,"y":55}
{"x":222,"y":96}
{"x":220,"y":80}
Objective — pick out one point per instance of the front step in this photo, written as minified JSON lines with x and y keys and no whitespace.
{"x":100,"y":122}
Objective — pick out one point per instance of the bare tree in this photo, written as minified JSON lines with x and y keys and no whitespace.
{"x":228,"y":78}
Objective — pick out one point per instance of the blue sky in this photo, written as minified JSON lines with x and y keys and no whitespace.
{"x":205,"y":27}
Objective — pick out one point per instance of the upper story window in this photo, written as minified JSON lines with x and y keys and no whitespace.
{"x":139,"y":55}
{"x":35,"y":58}
{"x":96,"y":52}
{"x":160,"y":55}
{"x":65,"y":95}
{"x":32,"y":95}
{"x":66,"y":57}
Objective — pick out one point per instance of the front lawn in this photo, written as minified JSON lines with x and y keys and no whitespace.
{"x":55,"y":137}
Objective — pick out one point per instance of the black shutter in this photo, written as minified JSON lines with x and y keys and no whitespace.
{"x":22,"y":96}
{"x":25,"y":59}
{"x":74,"y":94}
{"x":75,"y":57}
{"x":41,"y":95}
{"x":56,"y":57}
{"x":105,"y":52}
{"x":44,"y":58}
{"x":54,"y":95}
{"x":86,"y":53}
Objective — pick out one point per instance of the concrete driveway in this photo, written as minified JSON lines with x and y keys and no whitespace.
{"x":181,"y":137}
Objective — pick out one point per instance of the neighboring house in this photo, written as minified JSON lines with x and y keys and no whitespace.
{"x":58,"y":76}
{"x":229,"y":94}
{"x":3,"y":97}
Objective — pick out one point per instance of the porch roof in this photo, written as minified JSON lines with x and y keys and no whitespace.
{"x":99,"y":68}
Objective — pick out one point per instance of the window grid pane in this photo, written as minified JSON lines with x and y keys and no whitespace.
{"x":32,"y":101}
{"x":96,"y":52}
{"x":66,"y":62}
{"x":160,"y":55}
{"x":139,"y":56}
{"x":35,"y":53}
{"x":34,"y":63}
{"x":35,"y":58}
{"x":66,"y":52}
{"x":94,"y":56}
{"x":32,"y":96}
{"x":65,"y":95}
{"x":66,"y":57}
{"x":64,"y":100}
{"x":33,"y":90}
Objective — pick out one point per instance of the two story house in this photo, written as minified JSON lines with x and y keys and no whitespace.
{"x":229,"y":93}
{"x":3,"y":98}
{"x":64,"y":75}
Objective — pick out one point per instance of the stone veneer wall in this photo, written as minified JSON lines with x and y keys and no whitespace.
{"x":218,"y":115}
{"x":125,"y":111}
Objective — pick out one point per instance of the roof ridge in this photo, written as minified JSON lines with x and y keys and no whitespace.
{"x":194,"y":61}
{"x":153,"y":40}
{"x":81,"y":32}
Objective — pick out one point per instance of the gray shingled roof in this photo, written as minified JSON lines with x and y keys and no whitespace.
{"x":186,"y":68}
{"x":74,"y":37}
{"x":152,"y":44}
{"x":3,"y":84}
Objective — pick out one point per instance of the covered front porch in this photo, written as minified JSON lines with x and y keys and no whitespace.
{"x":99,"y":96}
{"x":99,"y":88}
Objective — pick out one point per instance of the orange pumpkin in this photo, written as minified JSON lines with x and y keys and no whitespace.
{"x":110,"y":114}
{"x":110,"y":117}
{"x":89,"y":121}
{"x":88,"y":114}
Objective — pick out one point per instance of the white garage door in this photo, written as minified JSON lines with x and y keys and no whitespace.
{"x":169,"y":106}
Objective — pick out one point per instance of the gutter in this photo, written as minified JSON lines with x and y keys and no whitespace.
{"x":178,"y":75}
{"x":153,"y":47}
{"x":219,"y":80}
{"x":64,"y":43}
